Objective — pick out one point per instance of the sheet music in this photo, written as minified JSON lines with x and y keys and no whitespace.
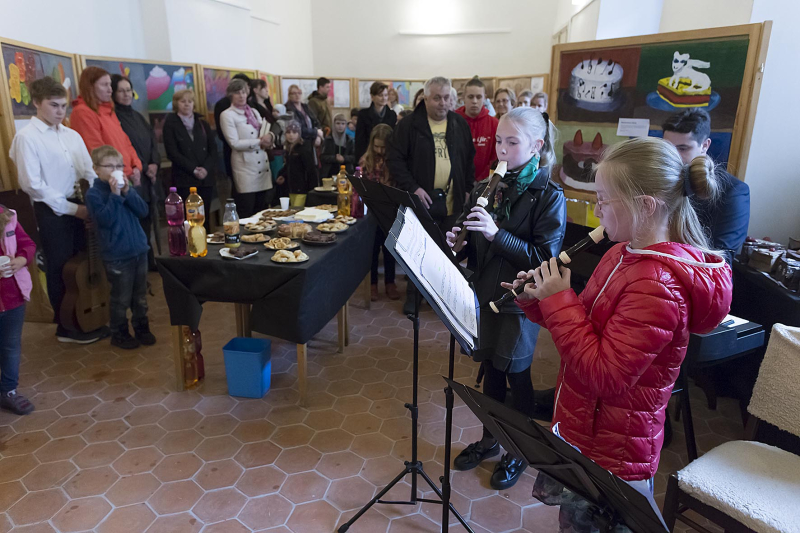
{"x":441,"y":277}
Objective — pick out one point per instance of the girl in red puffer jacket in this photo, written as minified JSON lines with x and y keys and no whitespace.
{"x":622,"y":341}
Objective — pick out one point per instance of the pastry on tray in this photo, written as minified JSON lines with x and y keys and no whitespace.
{"x":264,"y":225}
{"x":269,"y":215}
{"x":281,"y":243}
{"x":295,"y":230}
{"x":242,"y":251}
{"x":285,"y":256}
{"x":332,"y":227}
{"x":317,"y":237}
{"x":217,"y":237}
{"x":345,"y":220}
{"x":327,"y":207}
{"x":255,"y":237}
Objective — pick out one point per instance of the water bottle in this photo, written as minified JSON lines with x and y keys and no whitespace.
{"x":343,"y":199}
{"x":356,"y":202}
{"x":177,"y":236}
{"x":196,"y":215}
{"x":230,"y":225}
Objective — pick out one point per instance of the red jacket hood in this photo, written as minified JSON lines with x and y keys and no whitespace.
{"x":463,"y":112}
{"x":706,"y":277}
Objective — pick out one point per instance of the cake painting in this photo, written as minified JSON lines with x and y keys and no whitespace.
{"x":595,"y":84}
{"x":580,"y":160}
{"x":687,"y":87}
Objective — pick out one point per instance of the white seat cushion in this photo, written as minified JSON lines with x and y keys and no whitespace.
{"x":754,"y":483}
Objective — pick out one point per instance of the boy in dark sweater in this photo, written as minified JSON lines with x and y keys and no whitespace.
{"x":115,"y":208}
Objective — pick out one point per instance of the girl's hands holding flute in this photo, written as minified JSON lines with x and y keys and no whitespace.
{"x":548,"y":280}
{"x":452,"y":235}
{"x":480,"y":220}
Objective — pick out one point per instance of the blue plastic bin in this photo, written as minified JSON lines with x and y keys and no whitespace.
{"x":248,"y":366}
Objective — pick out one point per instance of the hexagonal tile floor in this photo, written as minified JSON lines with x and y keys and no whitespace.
{"x":112,"y":447}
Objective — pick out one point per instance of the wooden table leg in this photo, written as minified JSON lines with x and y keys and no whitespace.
{"x":347,"y":323}
{"x":242,"y":314}
{"x":340,"y":320}
{"x":237,"y":313}
{"x":302,"y":361}
{"x":367,"y":288}
{"x":177,"y":355}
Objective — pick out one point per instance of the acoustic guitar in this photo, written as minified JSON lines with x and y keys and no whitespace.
{"x":86,"y":300}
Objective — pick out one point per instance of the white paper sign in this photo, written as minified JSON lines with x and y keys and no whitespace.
{"x":633,"y":127}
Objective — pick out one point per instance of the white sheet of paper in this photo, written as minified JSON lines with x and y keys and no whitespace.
{"x":736,"y":321}
{"x":633,"y":127}
{"x":439,"y":275}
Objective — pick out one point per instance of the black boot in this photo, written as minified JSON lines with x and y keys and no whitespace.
{"x":474,"y":454}
{"x":507,"y":472}
{"x":143,"y":335}
{"x":122,"y":339}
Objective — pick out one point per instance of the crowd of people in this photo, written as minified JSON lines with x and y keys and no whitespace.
{"x":678,"y":219}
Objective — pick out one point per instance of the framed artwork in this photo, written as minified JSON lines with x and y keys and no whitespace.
{"x":273,"y":86}
{"x":406,"y":89}
{"x":595,"y":84}
{"x":214,"y":82}
{"x":307,"y":85}
{"x":338,"y":96}
{"x":537,"y":83}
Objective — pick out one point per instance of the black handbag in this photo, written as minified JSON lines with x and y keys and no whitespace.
{"x":438,"y":209}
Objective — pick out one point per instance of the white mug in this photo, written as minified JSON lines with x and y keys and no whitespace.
{"x":120,"y":177}
{"x":4,"y":261}
{"x":284,"y":203}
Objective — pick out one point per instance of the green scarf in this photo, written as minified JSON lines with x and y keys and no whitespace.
{"x":511,"y":187}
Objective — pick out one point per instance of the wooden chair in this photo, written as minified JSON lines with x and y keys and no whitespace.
{"x":744,"y":485}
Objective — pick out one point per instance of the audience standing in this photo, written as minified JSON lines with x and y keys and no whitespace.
{"x":338,"y":149}
{"x":377,"y":113}
{"x":481,"y":125}
{"x":223,"y":104}
{"x":504,"y":101}
{"x":539,"y":102}
{"x":318,"y":102}
{"x":302,"y":114}
{"x":394,"y":101}
{"x":299,"y":173}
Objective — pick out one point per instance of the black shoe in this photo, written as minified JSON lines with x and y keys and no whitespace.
{"x":544,"y":403}
{"x":143,"y":335}
{"x":474,"y":454}
{"x":507,"y":472}
{"x":122,"y":339}
{"x":78,"y":337}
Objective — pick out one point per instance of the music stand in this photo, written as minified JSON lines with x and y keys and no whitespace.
{"x":387,"y":205}
{"x":615,"y":501}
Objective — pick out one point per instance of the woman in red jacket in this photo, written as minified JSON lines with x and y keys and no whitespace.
{"x":94,"y":118}
{"x":622,"y":341}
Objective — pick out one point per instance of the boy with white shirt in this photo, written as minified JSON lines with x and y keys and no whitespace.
{"x":50,"y":159}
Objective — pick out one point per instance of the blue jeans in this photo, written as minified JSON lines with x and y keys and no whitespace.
{"x":128,"y":280}
{"x":10,"y":347}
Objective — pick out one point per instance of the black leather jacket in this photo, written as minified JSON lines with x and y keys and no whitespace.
{"x":531,"y":235}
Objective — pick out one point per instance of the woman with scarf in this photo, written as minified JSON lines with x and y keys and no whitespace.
{"x":523,"y":227}
{"x":338,"y":149}
{"x":310,"y":130}
{"x":241,"y":126}
{"x":143,"y":139}
{"x":192,"y":148}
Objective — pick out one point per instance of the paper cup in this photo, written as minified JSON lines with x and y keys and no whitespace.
{"x":327,"y":183}
{"x":4,"y":260}
{"x":120,"y":177}
{"x":284,"y":203}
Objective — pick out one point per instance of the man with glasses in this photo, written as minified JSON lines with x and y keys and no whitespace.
{"x":50,"y":160}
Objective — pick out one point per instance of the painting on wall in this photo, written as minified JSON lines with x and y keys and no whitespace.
{"x":154,"y":84}
{"x":215,"y":84}
{"x":579,"y":150}
{"x":273,"y":86}
{"x":339,"y":95}
{"x":535,"y":84}
{"x":308,"y":86}
{"x":24,"y":65}
{"x":364,"y":99}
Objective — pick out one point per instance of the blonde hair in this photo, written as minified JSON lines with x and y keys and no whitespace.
{"x":381,"y":132}
{"x":102,"y":152}
{"x":648,"y":166}
{"x":511,"y":95}
{"x":180,"y":95}
{"x":534,"y":126}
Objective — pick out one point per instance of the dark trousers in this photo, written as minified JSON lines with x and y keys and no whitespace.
{"x":494,"y":386}
{"x":128,"y":280}
{"x":10,"y":347}
{"x":207,"y":194}
{"x":250,"y":203}
{"x":147,"y":226}
{"x":62,"y":237}
{"x":388,"y":260}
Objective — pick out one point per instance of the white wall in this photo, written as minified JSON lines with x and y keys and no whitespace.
{"x":583,"y":24}
{"x":286,"y":47}
{"x":772,"y":170}
{"x":624,"y":18}
{"x":360,"y":38}
{"x":680,"y":15}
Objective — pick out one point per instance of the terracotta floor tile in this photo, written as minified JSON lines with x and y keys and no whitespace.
{"x":41,"y":527}
{"x":145,"y":414}
{"x":349,"y":405}
{"x":381,"y":470}
{"x":148,"y":397}
{"x":13,"y":491}
{"x":261,"y":480}
{"x":344,"y":387}
{"x":332,"y":440}
{"x":219,"y":505}
{"x":291,"y":436}
{"x":288,"y":415}
{"x":251,"y":410}
{"x":137,"y":461}
{"x":35,"y":421}
{"x":217,"y":425}
{"x":140,"y":436}
{"x":80,"y":515}
{"x":252,"y":430}
{"x":113,"y":410}
{"x":370,"y":522}
{"x":228,"y":526}
{"x":388,"y":408}
{"x":324,"y":419}
{"x":216,"y":405}
{"x":417,"y":523}
{"x":177,"y":523}
{"x":99,"y":454}
{"x":179,"y":441}
{"x":77,"y":406}
{"x":540,"y":517}
{"x":304,"y":487}
{"x":23,"y":444}
{"x":12,"y":469}
{"x":397,"y":428}
{"x":177,"y":467}
{"x":340,"y":465}
{"x":175,"y":497}
{"x":314,"y":516}
{"x":70,"y":426}
{"x":219,"y":474}
{"x":133,"y":489}
{"x":266,"y":512}
{"x":298,"y":459}
{"x":90,"y":482}
{"x":216,"y":448}
{"x":181,"y":400}
{"x":495,"y":513}
{"x":132,"y":519}
{"x":178,"y":420}
{"x":350,"y":493}
{"x":105,"y":431}
{"x":371,"y":445}
{"x":257,"y":454}
{"x":59,"y":449}
{"x":37,"y":506}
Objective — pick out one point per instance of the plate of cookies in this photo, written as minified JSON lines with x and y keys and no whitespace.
{"x":242,"y":252}
{"x":285,"y":256}
{"x":332,"y":227}
{"x":345,"y":220}
{"x":294,"y":230}
{"x":255,"y":237}
{"x":327,"y":207}
{"x":258,"y":227}
{"x":281,"y":243}
{"x":317,"y":238}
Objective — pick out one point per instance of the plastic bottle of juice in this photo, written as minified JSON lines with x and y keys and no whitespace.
{"x":345,"y":190}
{"x":177,"y":235}
{"x":230,"y":225}
{"x":196,"y":215}
{"x":356,"y":202}
{"x":191,"y":371}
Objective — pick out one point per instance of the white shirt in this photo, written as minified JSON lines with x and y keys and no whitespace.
{"x":50,"y":160}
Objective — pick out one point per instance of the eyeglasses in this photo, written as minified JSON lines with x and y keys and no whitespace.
{"x":601,"y":203}
{"x":113,"y":167}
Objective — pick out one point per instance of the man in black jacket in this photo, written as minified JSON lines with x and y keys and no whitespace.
{"x":431,"y":155}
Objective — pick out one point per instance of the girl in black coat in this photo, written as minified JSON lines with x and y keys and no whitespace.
{"x":192,"y":149}
{"x":337,"y":150}
{"x":299,"y":173}
{"x":522,"y":226}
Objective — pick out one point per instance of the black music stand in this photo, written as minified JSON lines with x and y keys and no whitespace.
{"x":614,"y":500}
{"x":387,"y":205}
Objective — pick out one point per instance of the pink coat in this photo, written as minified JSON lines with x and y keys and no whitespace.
{"x":10,"y":247}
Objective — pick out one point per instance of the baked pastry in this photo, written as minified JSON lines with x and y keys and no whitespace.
{"x":255,"y":237}
{"x":332,"y":227}
{"x":269,"y":215}
{"x":217,"y":237}
{"x":294,"y":230}
{"x":281,"y":243}
{"x":285,"y":256}
{"x":327,"y":207}
{"x":319,"y":238}
{"x":264,"y":225}
{"x":345,"y":220}
{"x":242,"y":251}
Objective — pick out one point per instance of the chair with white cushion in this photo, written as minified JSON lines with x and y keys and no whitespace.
{"x":745,"y":485}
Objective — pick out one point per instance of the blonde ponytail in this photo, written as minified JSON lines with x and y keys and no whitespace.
{"x":536,"y":125}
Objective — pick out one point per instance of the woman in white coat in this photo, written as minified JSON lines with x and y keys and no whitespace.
{"x":241,"y":126}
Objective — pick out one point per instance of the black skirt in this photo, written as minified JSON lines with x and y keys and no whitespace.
{"x":507,"y":340}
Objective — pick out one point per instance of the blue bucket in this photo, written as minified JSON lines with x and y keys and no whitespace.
{"x":248,"y":366}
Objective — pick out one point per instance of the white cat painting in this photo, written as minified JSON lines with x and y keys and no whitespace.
{"x":684,"y":67}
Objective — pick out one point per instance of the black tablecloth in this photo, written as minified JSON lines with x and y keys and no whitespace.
{"x":760,"y":299}
{"x":318,"y":198}
{"x":290,"y":301}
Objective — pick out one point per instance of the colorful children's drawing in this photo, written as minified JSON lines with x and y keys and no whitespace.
{"x":25,"y":65}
